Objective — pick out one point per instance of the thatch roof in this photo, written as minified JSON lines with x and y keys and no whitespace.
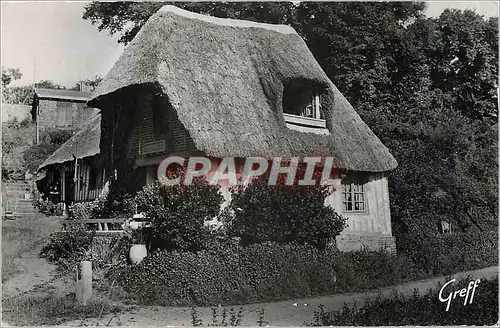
{"x":84,"y":143}
{"x":225,"y":78}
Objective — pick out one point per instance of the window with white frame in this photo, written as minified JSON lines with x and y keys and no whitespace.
{"x":313,"y":109}
{"x":354,"y":198}
{"x":303,"y":98}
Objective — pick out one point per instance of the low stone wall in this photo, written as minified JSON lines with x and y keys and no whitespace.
{"x":354,"y":242}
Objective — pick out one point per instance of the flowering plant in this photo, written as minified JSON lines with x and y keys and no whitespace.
{"x":134,"y":229}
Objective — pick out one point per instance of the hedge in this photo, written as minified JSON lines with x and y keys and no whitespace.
{"x":450,"y":253}
{"x":231,"y":274}
{"x":421,"y":310}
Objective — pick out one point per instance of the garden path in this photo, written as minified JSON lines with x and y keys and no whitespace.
{"x":284,"y":313}
{"x":22,"y":268}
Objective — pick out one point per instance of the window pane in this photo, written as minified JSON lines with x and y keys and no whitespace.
{"x":353,"y":197}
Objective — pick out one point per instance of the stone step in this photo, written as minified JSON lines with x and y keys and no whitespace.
{"x":21,"y":206}
{"x":15,"y":194}
{"x":14,"y":185}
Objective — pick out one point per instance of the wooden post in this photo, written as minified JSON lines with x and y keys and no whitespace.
{"x":87,"y":182}
{"x":37,"y":111}
{"x":84,"y":283}
{"x":63,"y":189}
{"x":76,"y":180}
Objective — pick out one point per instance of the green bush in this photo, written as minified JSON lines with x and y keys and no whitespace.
{"x":283,"y":213}
{"x":177,"y":214}
{"x":400,"y":310}
{"x":116,"y":203}
{"x":55,"y":136}
{"x":449,"y":253}
{"x":50,"y":141}
{"x":227,"y":273}
{"x":67,"y":248}
{"x":108,"y":252}
{"x":44,"y":205}
{"x":365,"y":269}
{"x":17,"y":136}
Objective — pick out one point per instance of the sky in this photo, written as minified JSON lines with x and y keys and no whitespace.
{"x":51,"y":40}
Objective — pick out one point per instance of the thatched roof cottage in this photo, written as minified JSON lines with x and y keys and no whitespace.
{"x":223,"y":87}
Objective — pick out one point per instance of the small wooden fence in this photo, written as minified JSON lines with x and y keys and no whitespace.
{"x":101,"y":226}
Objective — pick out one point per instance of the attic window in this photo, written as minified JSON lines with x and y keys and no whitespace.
{"x":303,"y":98}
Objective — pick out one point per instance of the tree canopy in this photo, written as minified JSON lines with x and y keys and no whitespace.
{"x":9,"y":75}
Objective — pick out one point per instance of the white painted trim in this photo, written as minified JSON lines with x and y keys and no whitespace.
{"x":306,"y":121}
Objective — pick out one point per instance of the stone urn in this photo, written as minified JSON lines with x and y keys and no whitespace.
{"x":137,"y":253}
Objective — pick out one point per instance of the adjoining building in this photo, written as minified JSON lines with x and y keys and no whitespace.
{"x":61,"y":109}
{"x":73,"y":172}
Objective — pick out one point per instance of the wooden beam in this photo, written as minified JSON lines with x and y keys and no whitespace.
{"x":87,"y":182}
{"x":63,"y":188}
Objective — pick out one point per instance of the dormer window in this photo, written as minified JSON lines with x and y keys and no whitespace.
{"x":302,"y":107}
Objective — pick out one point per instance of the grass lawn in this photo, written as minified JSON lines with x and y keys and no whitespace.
{"x":22,"y":239}
{"x":48,"y":308}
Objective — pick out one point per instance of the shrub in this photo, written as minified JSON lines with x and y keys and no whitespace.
{"x":449,"y":253}
{"x":399,"y":310}
{"x":16,"y":137}
{"x":84,"y":210}
{"x":177,"y":214}
{"x":108,"y":252}
{"x":55,"y":136}
{"x":44,"y":205}
{"x":67,"y":248}
{"x":365,"y":269}
{"x":283,"y":214}
{"x":116,"y":203}
{"x":36,"y":154}
{"x":36,"y":309}
{"x":227,"y":273}
{"x":50,"y":141}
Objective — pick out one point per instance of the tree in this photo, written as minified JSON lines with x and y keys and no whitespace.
{"x":91,"y":83}
{"x":127,"y":18}
{"x":46,"y":84}
{"x":51,"y":140}
{"x":22,"y":95}
{"x":9,"y":75}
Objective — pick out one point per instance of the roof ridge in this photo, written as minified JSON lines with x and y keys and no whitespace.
{"x":280,"y":28}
